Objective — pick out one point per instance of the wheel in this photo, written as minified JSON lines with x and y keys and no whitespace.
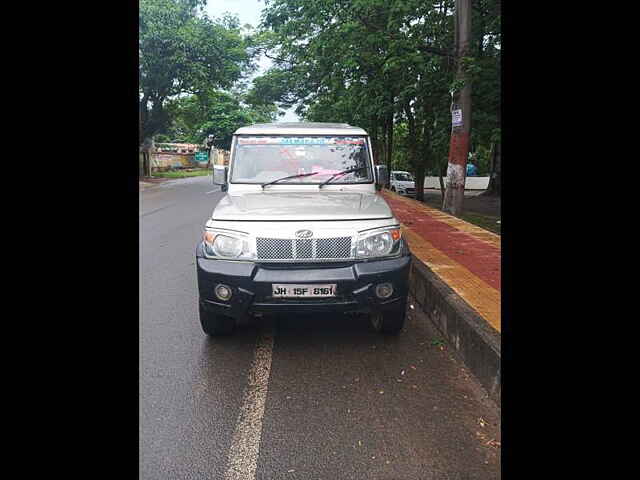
{"x":393,"y":189}
{"x":390,"y":321}
{"x":215,"y":325}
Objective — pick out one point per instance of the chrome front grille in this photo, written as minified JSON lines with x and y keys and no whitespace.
{"x":336,"y":248}
{"x":304,"y":248}
{"x":274,"y":248}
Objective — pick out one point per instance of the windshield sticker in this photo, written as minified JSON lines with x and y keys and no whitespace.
{"x":300,"y":141}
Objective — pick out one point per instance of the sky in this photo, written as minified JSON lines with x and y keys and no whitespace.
{"x":248,"y":11}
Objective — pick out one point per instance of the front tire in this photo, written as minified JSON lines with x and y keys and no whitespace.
{"x":215,"y":325}
{"x":389,"y":322}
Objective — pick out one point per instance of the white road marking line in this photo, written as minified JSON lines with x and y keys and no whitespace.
{"x":245,"y":445}
{"x":211,"y":191}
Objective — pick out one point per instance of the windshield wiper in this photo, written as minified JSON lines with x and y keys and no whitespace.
{"x":290,"y":176}
{"x":344,"y":172}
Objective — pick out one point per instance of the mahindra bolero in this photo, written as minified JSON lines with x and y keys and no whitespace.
{"x":301,"y":228}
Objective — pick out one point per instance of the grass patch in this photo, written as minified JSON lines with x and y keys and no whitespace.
{"x":196,"y":172}
{"x":483,"y":221}
{"x":487,"y":222}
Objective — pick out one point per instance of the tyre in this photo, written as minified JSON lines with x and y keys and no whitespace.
{"x":215,"y":325}
{"x":390,"y":321}
{"x":393,"y":189}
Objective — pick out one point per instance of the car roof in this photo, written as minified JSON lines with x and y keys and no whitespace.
{"x":300,"y":128}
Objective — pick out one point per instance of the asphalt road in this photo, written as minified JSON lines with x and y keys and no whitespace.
{"x":290,"y":397}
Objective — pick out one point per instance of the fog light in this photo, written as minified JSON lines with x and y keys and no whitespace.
{"x":223,"y":292}
{"x":384,"y":290}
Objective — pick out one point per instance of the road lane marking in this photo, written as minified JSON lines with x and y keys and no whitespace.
{"x":245,"y":445}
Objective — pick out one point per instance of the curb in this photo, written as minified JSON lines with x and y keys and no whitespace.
{"x":145,"y":184}
{"x":475,"y":342}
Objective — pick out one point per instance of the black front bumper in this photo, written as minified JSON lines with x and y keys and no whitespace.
{"x":252,"y":285}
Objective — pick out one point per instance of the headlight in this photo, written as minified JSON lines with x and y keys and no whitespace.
{"x":378,"y":243}
{"x":228,"y":245}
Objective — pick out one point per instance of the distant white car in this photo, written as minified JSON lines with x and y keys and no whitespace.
{"x":402,"y":183}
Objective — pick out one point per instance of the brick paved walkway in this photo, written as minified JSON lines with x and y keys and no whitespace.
{"x":464,"y":256}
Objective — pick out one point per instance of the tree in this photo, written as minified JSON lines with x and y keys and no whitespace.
{"x":183,"y":52}
{"x":495,"y":181}
{"x":384,"y":65}
{"x":369,"y":62}
{"x":486,"y":92}
{"x":214,"y":112}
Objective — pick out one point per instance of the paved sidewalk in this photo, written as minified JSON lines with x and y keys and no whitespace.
{"x":465,"y":257}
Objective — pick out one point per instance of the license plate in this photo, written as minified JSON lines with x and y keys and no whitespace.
{"x":290,"y":290}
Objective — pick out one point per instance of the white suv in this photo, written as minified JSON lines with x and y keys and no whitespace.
{"x":301,"y":229}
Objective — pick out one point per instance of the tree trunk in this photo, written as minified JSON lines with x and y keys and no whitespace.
{"x":495,"y":181}
{"x":390,"y":141}
{"x":426,"y":155}
{"x":492,"y":168}
{"x":153,"y":120}
{"x":373,"y":136}
{"x":142,"y":118}
{"x":420,"y":181}
{"x":459,"y":146}
{"x":442,"y":187}
{"x":145,"y":164}
{"x":383,"y":145}
{"x":417,"y":165}
{"x":147,"y":148}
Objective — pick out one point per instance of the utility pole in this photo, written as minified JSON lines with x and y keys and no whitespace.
{"x":460,"y":115}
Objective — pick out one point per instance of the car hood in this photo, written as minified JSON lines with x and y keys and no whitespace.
{"x":302,"y":206}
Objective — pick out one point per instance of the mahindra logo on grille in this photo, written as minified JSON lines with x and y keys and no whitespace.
{"x":304,"y":234}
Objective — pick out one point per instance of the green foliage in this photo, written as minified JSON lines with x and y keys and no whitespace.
{"x":271,"y":89}
{"x":182,"y":51}
{"x":387,"y":66}
{"x":200,"y":172}
{"x":163,"y":138}
{"x":483,"y":221}
{"x":482,"y":160}
{"x":400,"y":160}
{"x":372,"y":62}
{"x":213,"y":112}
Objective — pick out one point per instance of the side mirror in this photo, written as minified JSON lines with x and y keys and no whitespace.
{"x":220,"y":176}
{"x":382,"y":176}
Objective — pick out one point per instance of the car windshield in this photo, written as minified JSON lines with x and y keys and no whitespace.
{"x":404,"y":177}
{"x":263,"y":158}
